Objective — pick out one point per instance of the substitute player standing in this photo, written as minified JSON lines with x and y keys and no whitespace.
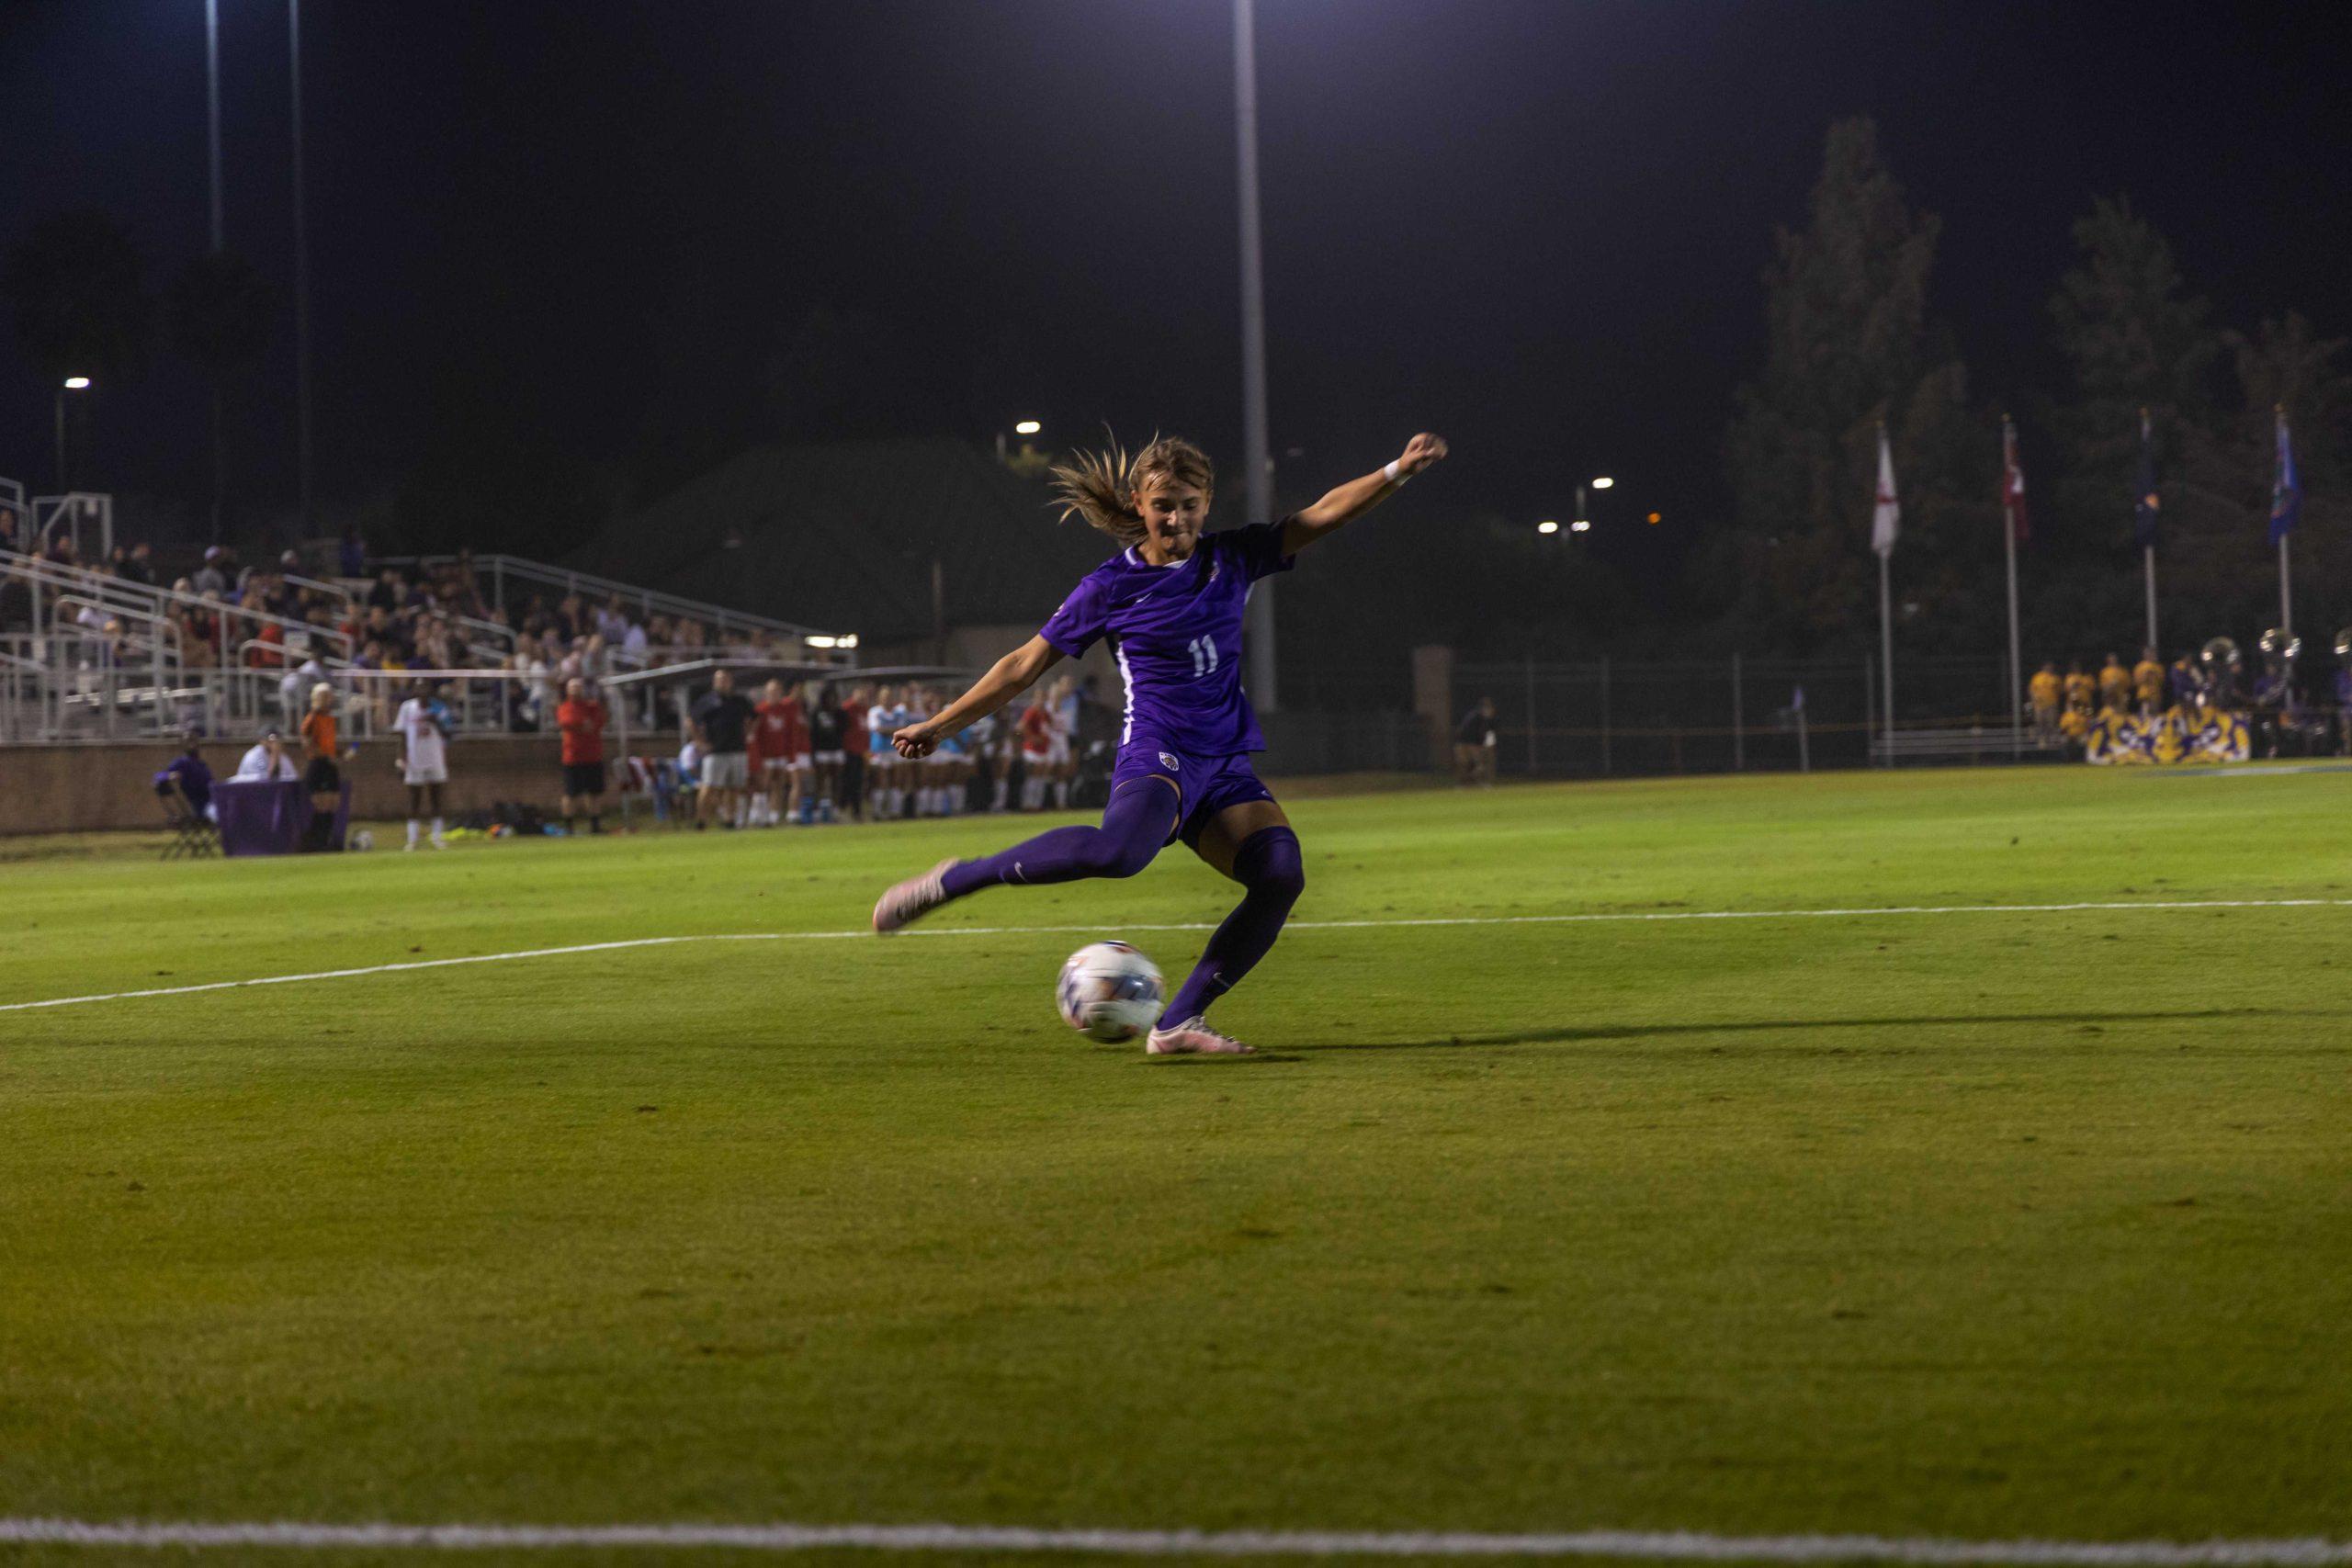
{"x":1170,"y":605}
{"x":424,"y":725}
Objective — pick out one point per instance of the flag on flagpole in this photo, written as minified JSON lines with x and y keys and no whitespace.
{"x":2144,"y":510}
{"x":2013,"y":487}
{"x":1888,"y":513}
{"x":2286,"y":490}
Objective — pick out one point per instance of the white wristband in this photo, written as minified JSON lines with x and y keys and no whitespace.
{"x":1395,"y":472}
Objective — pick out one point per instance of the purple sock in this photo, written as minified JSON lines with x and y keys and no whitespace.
{"x":1135,"y":826}
{"x":1268,"y":865}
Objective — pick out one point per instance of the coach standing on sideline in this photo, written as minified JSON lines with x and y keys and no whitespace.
{"x":720,"y":721}
{"x":580,"y":716}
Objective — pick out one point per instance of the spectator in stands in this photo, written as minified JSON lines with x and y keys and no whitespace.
{"x":1473,"y":745}
{"x":212,"y":579}
{"x":2081,"y":690}
{"x":2148,"y":683}
{"x":2185,"y":680}
{"x":2043,"y":694}
{"x":2114,"y":684}
{"x":11,"y":536}
{"x":268,"y":759}
{"x":580,"y":716}
{"x":297,"y":693}
{"x":188,"y":775}
{"x":721,"y":723}
{"x":390,"y":593}
{"x":351,"y":552}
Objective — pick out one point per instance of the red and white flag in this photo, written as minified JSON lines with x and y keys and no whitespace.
{"x":2013,"y":510}
{"x":1886,"y":517}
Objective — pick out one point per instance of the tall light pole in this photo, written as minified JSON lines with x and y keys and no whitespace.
{"x":1259,"y":624}
{"x":71,"y":384}
{"x":220,"y":232}
{"x":212,"y":110}
{"x":301,"y":286}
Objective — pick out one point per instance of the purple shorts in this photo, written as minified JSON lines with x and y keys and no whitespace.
{"x":1205,"y":786}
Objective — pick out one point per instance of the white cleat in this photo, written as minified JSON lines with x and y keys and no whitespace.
{"x":1194,"y":1038}
{"x":910,"y":900}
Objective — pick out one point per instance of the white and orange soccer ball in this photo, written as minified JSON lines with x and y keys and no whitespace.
{"x":1110,"y":991}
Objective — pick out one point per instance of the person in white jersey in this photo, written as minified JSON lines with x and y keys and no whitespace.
{"x":423,"y":723}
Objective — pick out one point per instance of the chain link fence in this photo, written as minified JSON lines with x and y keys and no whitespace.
{"x":1607,"y":717}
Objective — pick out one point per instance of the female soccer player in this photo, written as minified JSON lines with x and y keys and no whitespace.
{"x":1170,"y":602}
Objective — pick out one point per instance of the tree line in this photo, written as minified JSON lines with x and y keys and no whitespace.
{"x":1853,"y":340}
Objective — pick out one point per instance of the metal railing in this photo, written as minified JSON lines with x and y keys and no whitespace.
{"x":518,"y":573}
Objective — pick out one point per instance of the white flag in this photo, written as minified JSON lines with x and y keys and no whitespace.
{"x":1889,"y":512}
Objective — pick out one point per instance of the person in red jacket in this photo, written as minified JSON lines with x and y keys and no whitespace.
{"x":580,"y":716}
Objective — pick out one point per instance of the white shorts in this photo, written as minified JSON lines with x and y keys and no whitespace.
{"x":828,"y":759}
{"x":725,"y":769}
{"x":1059,"y":752}
{"x":798,"y":762}
{"x":426,"y":772}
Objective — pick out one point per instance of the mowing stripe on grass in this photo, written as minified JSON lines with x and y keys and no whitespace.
{"x":1657,"y":1546}
{"x":1097,"y":927}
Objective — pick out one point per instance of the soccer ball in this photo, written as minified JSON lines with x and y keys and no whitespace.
{"x":1110,"y":991}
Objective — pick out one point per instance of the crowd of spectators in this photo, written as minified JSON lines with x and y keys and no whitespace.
{"x":2286,"y":713}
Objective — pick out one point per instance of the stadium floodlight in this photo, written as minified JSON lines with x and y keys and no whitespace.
{"x":819,"y":639}
{"x":1027,"y":427}
{"x":1603,"y":482}
{"x":1581,"y":526}
{"x":77,"y":383}
{"x":1653,"y":519}
{"x":1547,"y":527}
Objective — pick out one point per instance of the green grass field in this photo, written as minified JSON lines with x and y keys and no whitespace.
{"x":1973,"y":1224}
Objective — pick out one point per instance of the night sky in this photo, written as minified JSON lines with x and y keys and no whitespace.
{"x":1538,"y":227}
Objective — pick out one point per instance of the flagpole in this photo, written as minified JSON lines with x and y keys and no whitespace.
{"x":2286,"y":599}
{"x":2149,"y":557}
{"x":2009,"y":538}
{"x":1886,"y":656}
{"x":2282,"y":507}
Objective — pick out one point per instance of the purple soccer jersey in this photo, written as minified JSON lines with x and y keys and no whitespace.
{"x":1176,"y":632}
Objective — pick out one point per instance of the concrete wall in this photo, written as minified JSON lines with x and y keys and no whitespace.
{"x":79,"y":788}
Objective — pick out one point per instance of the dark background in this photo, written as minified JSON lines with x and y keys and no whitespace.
{"x":566,"y":255}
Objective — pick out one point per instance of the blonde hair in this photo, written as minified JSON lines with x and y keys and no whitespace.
{"x":1101,"y":487}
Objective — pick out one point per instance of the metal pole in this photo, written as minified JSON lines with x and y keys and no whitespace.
{"x":212,"y":117}
{"x":1738,"y":731}
{"x":1256,"y":457}
{"x":301,"y":284}
{"x":1804,"y":745}
{"x":2286,"y":598}
{"x":2017,"y":709}
{"x":1531,"y":715}
{"x":2148,"y":556}
{"x":1869,"y":703}
{"x":1886,"y":657}
{"x":1604,"y":715}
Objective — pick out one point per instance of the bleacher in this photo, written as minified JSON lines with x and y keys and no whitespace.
{"x":87,"y":653}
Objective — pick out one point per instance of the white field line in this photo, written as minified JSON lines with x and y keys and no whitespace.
{"x":1099,"y":929}
{"x":1678,"y":1546}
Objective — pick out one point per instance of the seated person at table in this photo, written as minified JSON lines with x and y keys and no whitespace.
{"x":268,"y":760}
{"x":194,"y":778}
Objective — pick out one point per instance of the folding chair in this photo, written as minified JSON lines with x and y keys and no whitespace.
{"x":192,"y":834}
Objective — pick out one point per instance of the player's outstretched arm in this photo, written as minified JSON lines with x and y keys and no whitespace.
{"x":1353,"y":500}
{"x":1006,"y":679}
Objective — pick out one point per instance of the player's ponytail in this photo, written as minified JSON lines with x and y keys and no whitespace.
{"x":1101,"y":487}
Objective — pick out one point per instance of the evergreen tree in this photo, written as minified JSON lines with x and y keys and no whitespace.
{"x":1851,"y":345}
